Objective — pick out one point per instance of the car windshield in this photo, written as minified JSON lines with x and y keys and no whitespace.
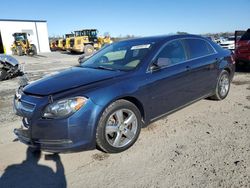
{"x":123,"y":56}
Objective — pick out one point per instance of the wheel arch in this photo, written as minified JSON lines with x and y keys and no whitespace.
{"x":88,"y":43}
{"x":137,"y":103}
{"x":228,"y":70}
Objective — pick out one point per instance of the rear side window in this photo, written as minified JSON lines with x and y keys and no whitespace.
{"x":198,"y":48}
{"x":246,"y":35}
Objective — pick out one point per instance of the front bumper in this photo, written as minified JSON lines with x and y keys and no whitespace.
{"x":62,"y":145}
{"x":72,"y":134}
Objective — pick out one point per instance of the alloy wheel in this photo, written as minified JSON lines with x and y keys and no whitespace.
{"x":224,"y":85}
{"x":121,"y":128}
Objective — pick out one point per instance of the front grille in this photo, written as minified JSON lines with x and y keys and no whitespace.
{"x":24,"y":108}
{"x":72,"y":42}
{"x":27,"y":106}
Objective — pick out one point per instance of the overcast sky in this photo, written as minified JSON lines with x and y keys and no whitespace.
{"x":137,"y":17}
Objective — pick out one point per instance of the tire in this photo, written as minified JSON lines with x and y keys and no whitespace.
{"x":13,"y":51}
{"x":118,"y":136}
{"x":19,"y":51}
{"x":222,"y":86}
{"x":3,"y":74}
{"x":33,"y":50}
{"x":88,"y":50}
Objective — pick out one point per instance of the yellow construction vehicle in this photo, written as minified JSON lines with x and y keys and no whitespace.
{"x":60,"y":44}
{"x":87,"y":41}
{"x":22,"y":46}
{"x":67,"y":40}
{"x":104,"y":40}
{"x":53,"y":45}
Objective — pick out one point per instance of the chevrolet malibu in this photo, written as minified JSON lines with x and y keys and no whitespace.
{"x":104,"y":102}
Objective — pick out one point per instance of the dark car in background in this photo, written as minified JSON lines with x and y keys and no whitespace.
{"x":106,"y":100}
{"x":242,"y":50}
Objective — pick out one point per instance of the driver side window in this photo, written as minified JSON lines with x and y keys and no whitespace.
{"x":172,"y":53}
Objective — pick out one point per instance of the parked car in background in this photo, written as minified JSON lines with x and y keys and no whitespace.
{"x":9,"y":67}
{"x":242,"y":51}
{"x":125,"y":86}
{"x":228,"y":43}
{"x":219,"y":40}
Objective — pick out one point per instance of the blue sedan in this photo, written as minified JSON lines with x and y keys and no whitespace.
{"x":106,"y":100}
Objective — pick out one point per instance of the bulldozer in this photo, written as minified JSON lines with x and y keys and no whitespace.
{"x":22,"y":46}
{"x":87,"y":41}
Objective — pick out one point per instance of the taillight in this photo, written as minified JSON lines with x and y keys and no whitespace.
{"x":233,"y":58}
{"x":230,"y":59}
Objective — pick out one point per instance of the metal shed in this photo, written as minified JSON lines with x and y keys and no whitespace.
{"x":37,"y":30}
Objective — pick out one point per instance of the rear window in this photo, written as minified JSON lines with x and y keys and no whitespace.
{"x":246,"y":35}
{"x":198,"y":48}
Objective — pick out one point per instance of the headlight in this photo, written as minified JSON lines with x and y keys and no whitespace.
{"x":65,"y":107}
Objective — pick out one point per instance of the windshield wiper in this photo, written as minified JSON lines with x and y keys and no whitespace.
{"x":106,"y":68}
{"x":100,"y":67}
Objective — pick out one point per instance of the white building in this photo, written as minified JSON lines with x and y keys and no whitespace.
{"x":37,"y":30}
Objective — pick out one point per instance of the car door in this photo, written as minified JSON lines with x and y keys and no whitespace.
{"x":170,"y":80}
{"x":203,"y":62}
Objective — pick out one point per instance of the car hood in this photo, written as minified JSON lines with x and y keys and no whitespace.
{"x":69,"y":79}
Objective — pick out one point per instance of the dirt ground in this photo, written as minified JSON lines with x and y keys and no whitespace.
{"x":204,"y":145}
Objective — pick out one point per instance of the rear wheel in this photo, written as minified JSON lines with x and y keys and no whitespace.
{"x":88,"y":50}
{"x":3,"y":74}
{"x":223,"y":86}
{"x":33,"y":50}
{"x":118,"y":127}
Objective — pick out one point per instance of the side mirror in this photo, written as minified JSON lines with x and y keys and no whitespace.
{"x":154,"y":66}
{"x":81,"y":59}
{"x":159,"y":63}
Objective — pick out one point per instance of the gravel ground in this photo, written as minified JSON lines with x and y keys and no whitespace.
{"x":204,"y":145}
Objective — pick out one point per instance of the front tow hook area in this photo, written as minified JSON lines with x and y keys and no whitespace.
{"x":22,"y":135}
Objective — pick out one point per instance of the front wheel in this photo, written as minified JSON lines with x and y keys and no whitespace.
{"x":13,"y":51}
{"x":19,"y":50}
{"x":223,"y":86}
{"x":119,"y":127}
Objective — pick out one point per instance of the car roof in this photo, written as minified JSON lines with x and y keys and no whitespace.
{"x":162,"y":38}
